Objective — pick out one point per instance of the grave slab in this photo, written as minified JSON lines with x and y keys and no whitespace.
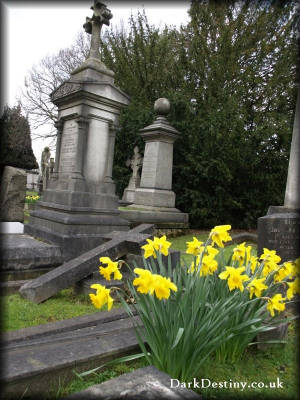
{"x":144,"y":383}
{"x":23,"y":252}
{"x":38,"y":358}
{"x":80,"y":267}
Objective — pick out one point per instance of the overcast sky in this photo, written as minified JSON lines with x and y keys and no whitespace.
{"x":33,"y":30}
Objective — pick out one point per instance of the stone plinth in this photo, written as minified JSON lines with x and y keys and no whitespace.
{"x":280,"y":230}
{"x":154,"y":200}
{"x":12,"y":194}
{"x":79,"y":204}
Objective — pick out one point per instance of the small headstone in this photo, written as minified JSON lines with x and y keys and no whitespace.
{"x":11,"y":227}
{"x":12,"y":194}
{"x":143,"y":384}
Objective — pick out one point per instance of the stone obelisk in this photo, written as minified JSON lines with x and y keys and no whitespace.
{"x":80,"y":204}
{"x":279,"y":229}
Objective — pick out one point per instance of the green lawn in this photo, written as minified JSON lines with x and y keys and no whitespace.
{"x":18,"y":313}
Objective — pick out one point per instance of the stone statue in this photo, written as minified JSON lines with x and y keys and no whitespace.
{"x":93,"y":26}
{"x":45,"y":166}
{"x":135,"y":163}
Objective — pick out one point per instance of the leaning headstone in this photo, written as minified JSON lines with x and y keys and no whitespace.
{"x":280,"y":229}
{"x":134,"y":182}
{"x":154,"y":199}
{"x":80,"y":204}
{"x":144,"y":383}
{"x":12,"y":194}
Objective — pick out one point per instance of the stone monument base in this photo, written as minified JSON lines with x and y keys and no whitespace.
{"x":279,"y":230}
{"x":161,"y":217}
{"x":76,"y":222}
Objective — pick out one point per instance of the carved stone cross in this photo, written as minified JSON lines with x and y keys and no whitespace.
{"x":93,"y":26}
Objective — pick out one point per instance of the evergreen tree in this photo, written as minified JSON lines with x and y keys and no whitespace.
{"x":15,"y":143}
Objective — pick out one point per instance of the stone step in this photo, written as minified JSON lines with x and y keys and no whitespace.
{"x":41,"y":357}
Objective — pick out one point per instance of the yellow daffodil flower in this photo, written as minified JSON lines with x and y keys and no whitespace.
{"x":208,"y":266}
{"x":256,"y":286}
{"x":253,"y":263}
{"x":112,"y":268}
{"x":294,"y":287}
{"x":241,"y":253}
{"x":275,"y":303}
{"x":144,"y":282}
{"x":234,"y":277}
{"x":101,"y":297}
{"x":286,"y":270}
{"x":162,"y":245}
{"x":270,"y":255}
{"x":219,"y":234}
{"x":162,"y":287}
{"x":149,"y":249}
{"x":194,"y":247}
{"x":269,"y":267}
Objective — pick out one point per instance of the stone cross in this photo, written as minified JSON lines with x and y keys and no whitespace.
{"x":118,"y":245}
{"x":93,"y":26}
{"x":135,"y":163}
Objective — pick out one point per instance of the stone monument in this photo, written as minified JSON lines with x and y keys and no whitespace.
{"x":134,"y":182}
{"x":45,"y":167}
{"x":154,"y":199}
{"x":79,"y":204}
{"x":12,"y":194}
{"x":279,"y":229}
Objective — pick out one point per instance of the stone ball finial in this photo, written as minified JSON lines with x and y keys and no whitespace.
{"x":162,"y":106}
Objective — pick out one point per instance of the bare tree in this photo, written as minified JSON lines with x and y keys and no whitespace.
{"x":44,"y":78}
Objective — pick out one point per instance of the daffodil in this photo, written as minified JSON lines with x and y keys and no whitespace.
{"x":194,"y":247}
{"x":294,"y":287}
{"x":256,"y":286}
{"x":253,"y":263}
{"x":145,"y":281}
{"x":162,"y":245}
{"x":149,"y":250}
{"x":234,"y":277}
{"x":241,"y":253}
{"x":269,"y":267}
{"x":270,"y":255}
{"x":112,"y":268}
{"x":101,"y":297}
{"x":162,"y":287}
{"x":219,"y":234}
{"x":208,"y":266}
{"x":276,"y":303}
{"x":286,"y":270}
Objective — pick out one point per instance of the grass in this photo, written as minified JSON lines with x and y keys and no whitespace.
{"x":18,"y":313}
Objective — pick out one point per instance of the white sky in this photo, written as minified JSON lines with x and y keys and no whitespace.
{"x":33,"y":30}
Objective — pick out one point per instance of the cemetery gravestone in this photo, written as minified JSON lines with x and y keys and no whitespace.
{"x":279,"y":230}
{"x":12,"y":194}
{"x":154,"y":199}
{"x":79,"y":204}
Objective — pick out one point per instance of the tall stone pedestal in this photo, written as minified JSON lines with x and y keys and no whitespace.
{"x":154,"y":200}
{"x":79,"y":204}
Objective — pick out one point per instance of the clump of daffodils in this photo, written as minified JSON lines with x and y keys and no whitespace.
{"x":259,"y":276}
{"x":31,"y":199}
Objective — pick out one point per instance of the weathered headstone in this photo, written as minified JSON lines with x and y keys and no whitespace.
{"x":154,"y":199}
{"x":134,"y":182}
{"x":118,"y":245}
{"x":79,"y":204}
{"x":12,"y":194}
{"x":142,"y":384}
{"x":280,"y":229}
{"x":45,"y":166}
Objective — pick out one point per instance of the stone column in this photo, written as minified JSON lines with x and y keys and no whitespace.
{"x":279,"y":230}
{"x":109,"y":183}
{"x":82,"y":123}
{"x":292,"y":191}
{"x":59,"y":126}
